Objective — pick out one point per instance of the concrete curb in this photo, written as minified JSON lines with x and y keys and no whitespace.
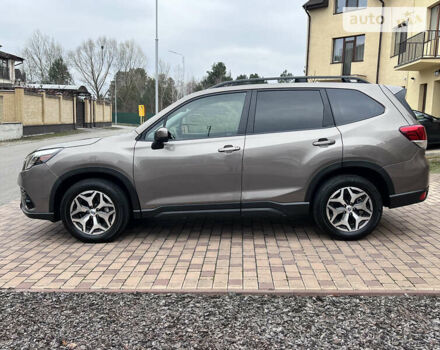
{"x":299,"y":293}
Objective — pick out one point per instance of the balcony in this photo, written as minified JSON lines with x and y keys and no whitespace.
{"x":4,"y":73}
{"x":421,"y":51}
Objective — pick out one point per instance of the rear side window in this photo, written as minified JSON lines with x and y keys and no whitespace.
{"x":350,"y":106}
{"x":289,"y":110}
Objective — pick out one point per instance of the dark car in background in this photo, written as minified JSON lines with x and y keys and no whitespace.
{"x":432,"y":126}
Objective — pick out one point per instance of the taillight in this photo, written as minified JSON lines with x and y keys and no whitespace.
{"x":416,"y":134}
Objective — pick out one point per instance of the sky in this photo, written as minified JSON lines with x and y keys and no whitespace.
{"x":249,"y":36}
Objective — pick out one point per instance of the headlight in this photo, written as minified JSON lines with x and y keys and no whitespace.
{"x":39,"y":157}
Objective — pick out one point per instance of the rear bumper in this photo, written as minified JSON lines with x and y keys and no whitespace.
{"x":402,"y":199}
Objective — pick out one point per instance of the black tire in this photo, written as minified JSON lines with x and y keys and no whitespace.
{"x":109,"y":189}
{"x":330,"y":187}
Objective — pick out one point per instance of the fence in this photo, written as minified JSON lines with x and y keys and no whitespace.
{"x":130,"y":118}
{"x":41,"y":112}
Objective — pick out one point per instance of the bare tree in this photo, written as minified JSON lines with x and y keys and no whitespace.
{"x":192,"y":86}
{"x":40,"y":53}
{"x":130,"y":56}
{"x":93,"y":60}
{"x":129,"y":62}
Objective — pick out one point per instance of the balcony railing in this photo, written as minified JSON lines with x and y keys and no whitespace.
{"x":422,"y":45}
{"x":4,"y":73}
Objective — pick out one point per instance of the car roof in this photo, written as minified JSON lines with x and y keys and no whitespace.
{"x":288,"y":86}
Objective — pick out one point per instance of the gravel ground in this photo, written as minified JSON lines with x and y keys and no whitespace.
{"x":177,"y":321}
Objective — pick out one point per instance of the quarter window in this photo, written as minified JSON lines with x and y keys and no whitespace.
{"x":206,"y":117}
{"x":279,"y":111}
{"x":353,"y":52}
{"x":351,"y":106}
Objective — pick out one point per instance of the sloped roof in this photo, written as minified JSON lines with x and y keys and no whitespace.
{"x":55,"y":87}
{"x":315,"y":4}
{"x":9,"y":56}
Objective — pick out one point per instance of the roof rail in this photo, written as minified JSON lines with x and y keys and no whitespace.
{"x":293,"y":79}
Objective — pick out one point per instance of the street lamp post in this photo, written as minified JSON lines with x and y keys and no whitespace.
{"x":157,"y":62}
{"x":116,"y":101}
{"x":183,"y":68}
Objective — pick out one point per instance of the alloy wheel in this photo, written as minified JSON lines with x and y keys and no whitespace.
{"x":349,"y":209}
{"x":92,"y":212}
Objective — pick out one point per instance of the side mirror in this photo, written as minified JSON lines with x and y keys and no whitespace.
{"x":160,"y":137}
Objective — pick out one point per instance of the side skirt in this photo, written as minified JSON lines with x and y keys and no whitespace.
{"x":227,"y":209}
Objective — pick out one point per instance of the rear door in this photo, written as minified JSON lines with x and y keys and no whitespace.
{"x":291,"y":137}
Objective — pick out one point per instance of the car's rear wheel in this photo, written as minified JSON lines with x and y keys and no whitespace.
{"x":347,"y":207}
{"x":95,"y":210}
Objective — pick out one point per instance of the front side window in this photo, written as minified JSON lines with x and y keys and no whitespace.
{"x":348,"y":49}
{"x":341,"y":5}
{"x":350,"y":106}
{"x":290,"y":110}
{"x":206,"y":117}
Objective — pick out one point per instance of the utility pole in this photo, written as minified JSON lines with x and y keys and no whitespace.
{"x":157,"y":62}
{"x":183,"y":68}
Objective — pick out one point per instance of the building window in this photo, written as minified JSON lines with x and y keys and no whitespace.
{"x":400,"y":36}
{"x":350,"y":48}
{"x":4,"y":69}
{"x":342,"y":4}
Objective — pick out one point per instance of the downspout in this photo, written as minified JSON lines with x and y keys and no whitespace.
{"x":380,"y":41}
{"x":308,"y":40}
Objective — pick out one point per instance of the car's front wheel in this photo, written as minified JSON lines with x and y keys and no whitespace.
{"x":94,"y":210}
{"x":347,"y":207}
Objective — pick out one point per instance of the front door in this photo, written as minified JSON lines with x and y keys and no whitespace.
{"x":202,"y":164}
{"x":80,"y":109}
{"x":292,"y":138}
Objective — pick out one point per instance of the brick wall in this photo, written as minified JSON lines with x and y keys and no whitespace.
{"x":48,"y":113}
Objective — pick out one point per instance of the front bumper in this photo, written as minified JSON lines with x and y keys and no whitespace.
{"x":402,"y":199}
{"x":36,"y":185}
{"x":33,"y":215}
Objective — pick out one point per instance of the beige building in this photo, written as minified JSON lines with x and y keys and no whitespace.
{"x":401,"y":56}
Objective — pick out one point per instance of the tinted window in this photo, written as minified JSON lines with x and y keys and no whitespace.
{"x":351,"y":106}
{"x":206,"y":117}
{"x":288,"y":110}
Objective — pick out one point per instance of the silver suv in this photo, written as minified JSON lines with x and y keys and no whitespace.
{"x":339,"y":151}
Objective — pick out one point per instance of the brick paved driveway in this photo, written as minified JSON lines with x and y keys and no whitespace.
{"x":236,"y":255}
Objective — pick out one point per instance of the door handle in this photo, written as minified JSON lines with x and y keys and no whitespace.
{"x":324,"y":142}
{"x":229,"y":149}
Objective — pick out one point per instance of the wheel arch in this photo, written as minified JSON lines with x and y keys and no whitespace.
{"x":372,"y":172}
{"x":72,"y":177}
